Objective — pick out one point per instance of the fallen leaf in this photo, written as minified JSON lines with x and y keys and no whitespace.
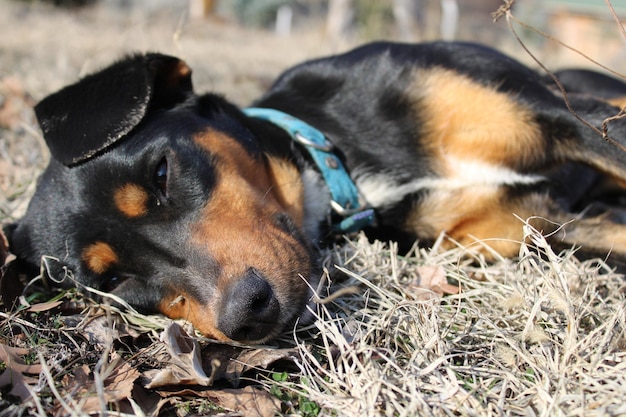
{"x":248,"y":401}
{"x":433,"y":279}
{"x":99,"y":330}
{"x":16,"y":372}
{"x":81,"y":376}
{"x":19,"y":386}
{"x":39,"y":307}
{"x":11,"y":356}
{"x":148,"y":401}
{"x":256,"y":359}
{"x":118,"y":384}
{"x":97,"y":325}
{"x":185,"y":365}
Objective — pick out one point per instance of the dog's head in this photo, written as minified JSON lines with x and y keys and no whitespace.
{"x":167,"y":200}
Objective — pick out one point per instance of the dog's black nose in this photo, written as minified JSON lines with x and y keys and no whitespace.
{"x":250,"y":310}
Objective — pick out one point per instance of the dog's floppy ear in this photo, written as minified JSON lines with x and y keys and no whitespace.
{"x":87,"y":117}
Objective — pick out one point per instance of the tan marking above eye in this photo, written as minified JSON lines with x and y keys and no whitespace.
{"x":99,"y":257}
{"x":132,"y":200}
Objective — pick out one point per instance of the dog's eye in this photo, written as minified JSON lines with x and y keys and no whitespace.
{"x":160,"y":176}
{"x":112,"y":282}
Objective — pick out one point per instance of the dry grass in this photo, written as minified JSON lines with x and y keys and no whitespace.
{"x":542,"y":335}
{"x":536,"y":336}
{"x":533,"y":337}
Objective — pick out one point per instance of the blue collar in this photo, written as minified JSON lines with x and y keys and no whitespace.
{"x":344,"y":194}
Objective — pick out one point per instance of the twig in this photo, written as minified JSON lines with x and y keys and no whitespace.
{"x":506,"y":11}
{"x":617,"y":20}
{"x":51,"y":383}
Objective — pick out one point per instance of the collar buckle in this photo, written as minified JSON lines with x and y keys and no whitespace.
{"x":326,"y":146}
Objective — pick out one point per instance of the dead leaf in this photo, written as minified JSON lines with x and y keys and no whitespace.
{"x":249,"y":401}
{"x":81,"y":377}
{"x":119,"y":381}
{"x":39,"y":307}
{"x":433,"y":279}
{"x":11,"y":356}
{"x":185,"y":367}
{"x":97,"y":325}
{"x":16,"y":372}
{"x":148,"y":401}
{"x":256,"y":359}
{"x":19,"y":385}
{"x":99,"y":330}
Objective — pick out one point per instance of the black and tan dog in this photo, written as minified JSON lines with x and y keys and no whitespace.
{"x":186,"y":205}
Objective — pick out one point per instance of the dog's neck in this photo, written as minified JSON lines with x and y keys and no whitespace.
{"x":329,"y":193}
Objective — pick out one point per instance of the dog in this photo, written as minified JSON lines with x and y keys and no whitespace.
{"x":186,"y":205}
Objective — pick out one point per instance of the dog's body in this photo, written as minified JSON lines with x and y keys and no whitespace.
{"x":184,"y":205}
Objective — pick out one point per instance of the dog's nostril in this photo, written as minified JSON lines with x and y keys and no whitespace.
{"x":250,"y":309}
{"x":258,"y":304}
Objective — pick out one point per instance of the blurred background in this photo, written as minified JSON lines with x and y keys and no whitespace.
{"x":237,"y":47}
{"x":242,"y":38}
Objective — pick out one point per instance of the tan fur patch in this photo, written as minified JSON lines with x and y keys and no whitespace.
{"x":99,"y":257}
{"x":132,"y":200}
{"x":182,"y":70}
{"x":481,"y":214}
{"x":288,"y":188}
{"x":469,"y":121}
{"x":181,"y":306}
{"x":618,"y":102}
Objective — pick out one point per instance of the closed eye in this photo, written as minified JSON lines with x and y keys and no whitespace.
{"x":111,"y":282}
{"x":160,"y":177}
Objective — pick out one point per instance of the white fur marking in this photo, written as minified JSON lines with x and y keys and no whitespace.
{"x":382,"y":189}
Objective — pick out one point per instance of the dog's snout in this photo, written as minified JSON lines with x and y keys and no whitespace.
{"x":250,"y":310}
